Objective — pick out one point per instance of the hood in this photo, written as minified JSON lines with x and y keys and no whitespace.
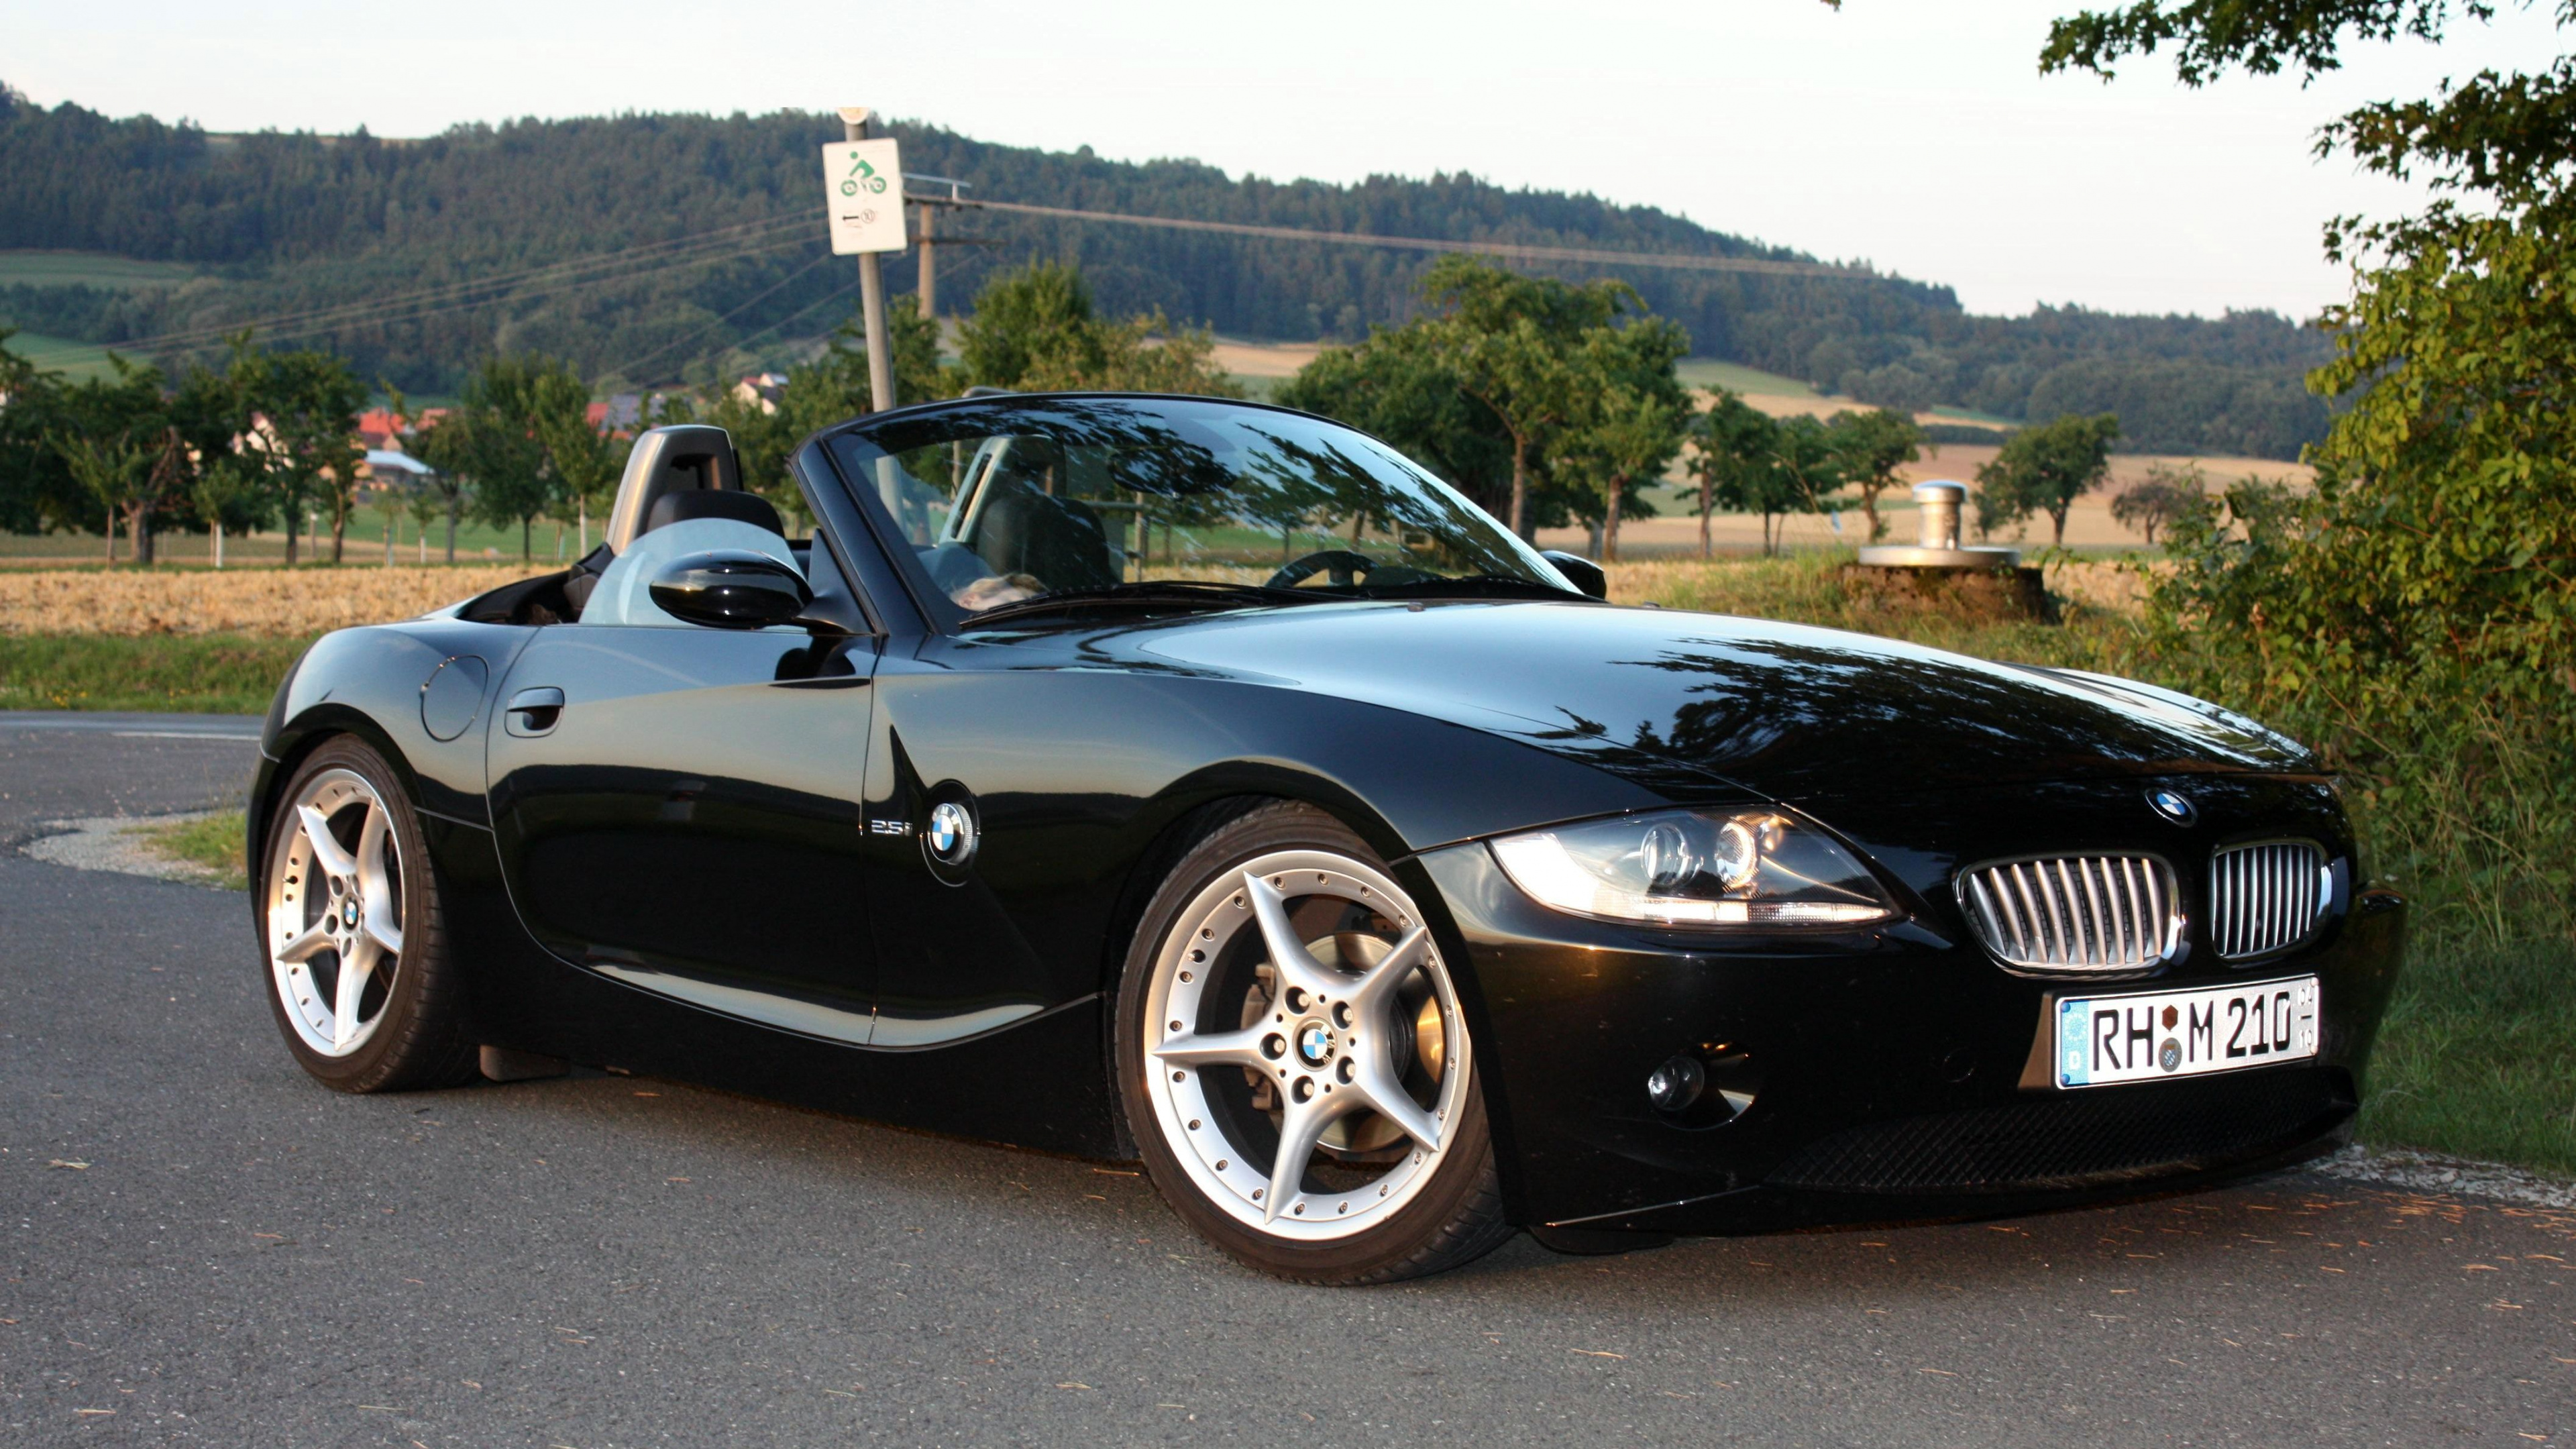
{"x":1781,"y":709}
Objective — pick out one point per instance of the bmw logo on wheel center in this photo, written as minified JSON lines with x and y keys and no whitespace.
{"x":1314,"y":1043}
{"x":2172,"y":805}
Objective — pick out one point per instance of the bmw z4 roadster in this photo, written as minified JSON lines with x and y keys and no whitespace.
{"x":1205,"y":783}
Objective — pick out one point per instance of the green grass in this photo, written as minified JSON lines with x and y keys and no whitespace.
{"x":366,"y":544}
{"x":94,"y":269}
{"x":179,"y":673}
{"x":212,"y":843}
{"x":76,"y":360}
{"x":2478,"y":1057}
{"x":1736,"y":377}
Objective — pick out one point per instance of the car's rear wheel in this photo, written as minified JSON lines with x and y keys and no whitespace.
{"x":1294,"y":1064}
{"x":352,"y":933}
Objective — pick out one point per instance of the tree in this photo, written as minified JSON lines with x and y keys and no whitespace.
{"x":110,"y":434}
{"x":227,"y":497}
{"x":2439,"y":538}
{"x":834,"y":387}
{"x":494,"y":445}
{"x":1396,"y":385}
{"x":1035,"y":330}
{"x":1871,"y":447}
{"x":305,"y":405}
{"x":2044,"y":469}
{"x":2165,"y":494}
{"x":112,"y":469}
{"x":1512,"y":342}
{"x":584,"y":459}
{"x":1737,"y":464}
{"x":1635,"y":418}
{"x":1725,"y":439}
{"x":442,"y":491}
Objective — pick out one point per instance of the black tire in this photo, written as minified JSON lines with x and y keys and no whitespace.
{"x":417,"y":1037}
{"x":1450,"y":1219}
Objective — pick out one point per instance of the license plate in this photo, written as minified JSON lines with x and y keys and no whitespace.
{"x":2144,"y":1035}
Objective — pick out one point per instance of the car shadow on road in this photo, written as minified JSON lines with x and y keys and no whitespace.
{"x":674,"y":1138}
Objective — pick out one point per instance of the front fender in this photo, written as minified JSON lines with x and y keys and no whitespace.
{"x":375,"y":682}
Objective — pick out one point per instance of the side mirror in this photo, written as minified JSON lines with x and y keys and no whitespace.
{"x":731,"y":588}
{"x":1582,"y":572}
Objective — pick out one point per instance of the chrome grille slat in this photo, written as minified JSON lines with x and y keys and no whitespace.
{"x":2076,"y":915}
{"x":2266,"y":897}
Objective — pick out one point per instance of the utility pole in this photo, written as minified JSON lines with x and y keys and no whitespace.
{"x":929,"y":264}
{"x":930,"y":206}
{"x":872,"y":308}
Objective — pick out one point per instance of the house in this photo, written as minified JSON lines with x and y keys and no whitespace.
{"x":381,"y":428}
{"x":761,"y":390}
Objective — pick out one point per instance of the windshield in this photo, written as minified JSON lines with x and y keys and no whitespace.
{"x":1105,"y":498}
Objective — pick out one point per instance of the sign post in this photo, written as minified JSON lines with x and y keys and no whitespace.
{"x":863,"y":191}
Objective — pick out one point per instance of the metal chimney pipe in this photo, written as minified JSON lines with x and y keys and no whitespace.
{"x":1940,"y":503}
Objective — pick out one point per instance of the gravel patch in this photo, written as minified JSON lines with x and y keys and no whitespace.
{"x":2430,"y":1172}
{"x":112,"y":842}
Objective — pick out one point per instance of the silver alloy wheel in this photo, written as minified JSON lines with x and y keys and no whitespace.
{"x":1308,"y":1055}
{"x":334,"y":912}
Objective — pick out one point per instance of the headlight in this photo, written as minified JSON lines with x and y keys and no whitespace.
{"x":1695,"y":868}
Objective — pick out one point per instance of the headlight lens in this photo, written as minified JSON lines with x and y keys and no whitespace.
{"x":1695,"y":868}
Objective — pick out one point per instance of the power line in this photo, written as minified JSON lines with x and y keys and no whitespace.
{"x":664,"y":350}
{"x":1685,"y":261}
{"x":681,"y":252}
{"x":747,"y":238}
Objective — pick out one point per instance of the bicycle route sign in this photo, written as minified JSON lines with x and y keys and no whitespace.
{"x":863,"y":194}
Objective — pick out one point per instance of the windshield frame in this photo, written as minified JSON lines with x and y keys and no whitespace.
{"x":945,"y":616}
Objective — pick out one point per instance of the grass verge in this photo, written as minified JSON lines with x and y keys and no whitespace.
{"x":212,"y":843}
{"x":180,"y":673}
{"x":2478,"y":1056}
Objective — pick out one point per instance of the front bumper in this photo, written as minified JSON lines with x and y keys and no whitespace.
{"x":1891,"y":1071}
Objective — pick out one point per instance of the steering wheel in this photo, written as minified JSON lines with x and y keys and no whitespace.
{"x":1336,"y":564}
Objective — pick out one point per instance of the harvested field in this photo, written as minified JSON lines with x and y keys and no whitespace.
{"x":271,"y":603}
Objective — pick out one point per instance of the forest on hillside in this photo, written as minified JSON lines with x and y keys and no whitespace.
{"x":279,"y":225}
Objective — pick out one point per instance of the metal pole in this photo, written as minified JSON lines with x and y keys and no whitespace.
{"x":929,"y":265}
{"x":872,"y":310}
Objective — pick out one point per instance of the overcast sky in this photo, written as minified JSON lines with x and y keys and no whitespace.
{"x":1916,"y":134}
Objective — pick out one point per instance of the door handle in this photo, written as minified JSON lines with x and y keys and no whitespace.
{"x":533,"y":712}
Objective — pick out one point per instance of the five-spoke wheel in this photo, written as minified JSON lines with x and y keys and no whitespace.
{"x":1298,"y":1070}
{"x":349,"y":921}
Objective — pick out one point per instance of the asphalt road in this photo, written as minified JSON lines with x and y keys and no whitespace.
{"x":199,"y":1245}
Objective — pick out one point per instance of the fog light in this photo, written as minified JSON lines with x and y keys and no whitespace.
{"x":1675,"y":1085}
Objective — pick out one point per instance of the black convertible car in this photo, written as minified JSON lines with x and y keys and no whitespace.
{"x":1205,"y":782}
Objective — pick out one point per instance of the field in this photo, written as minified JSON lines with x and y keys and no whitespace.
{"x":1708,"y":373}
{"x":193,"y":639}
{"x":93,"y":269}
{"x":75,"y":360}
{"x":273,"y":603}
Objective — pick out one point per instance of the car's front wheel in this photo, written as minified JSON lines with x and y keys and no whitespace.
{"x":352,"y":933}
{"x":1294,"y":1064}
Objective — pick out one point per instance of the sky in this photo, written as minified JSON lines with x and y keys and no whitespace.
{"x":1914,"y":134}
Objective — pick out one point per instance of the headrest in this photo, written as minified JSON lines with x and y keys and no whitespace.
{"x":691,"y":503}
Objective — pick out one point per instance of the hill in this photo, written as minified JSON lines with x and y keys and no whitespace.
{"x":654,"y":247}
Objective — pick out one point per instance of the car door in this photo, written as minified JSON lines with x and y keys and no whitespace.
{"x":678,"y":808}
